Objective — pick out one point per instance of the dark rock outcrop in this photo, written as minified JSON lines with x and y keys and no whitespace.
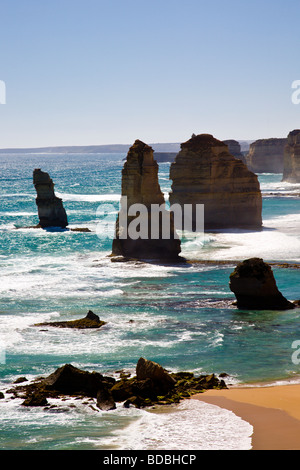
{"x":291,"y":170}
{"x":36,"y":398}
{"x":146,"y":369}
{"x":90,"y":321}
{"x":140,"y":186}
{"x":266,"y":155}
{"x":151,"y":385}
{"x":71,"y":380}
{"x":204,"y":172}
{"x":50,"y":208}
{"x":105,"y":400}
{"x":254,"y":287}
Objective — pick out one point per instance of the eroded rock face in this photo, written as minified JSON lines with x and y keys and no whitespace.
{"x":50,"y":208}
{"x":266,"y":156}
{"x":254,"y":287}
{"x":140,"y":186}
{"x":204,"y":172}
{"x":291,"y":170}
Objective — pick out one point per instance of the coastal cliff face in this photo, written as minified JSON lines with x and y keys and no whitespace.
{"x":140,"y":186}
{"x":204,"y":172}
{"x":291,"y":170}
{"x":266,"y":156}
{"x":235,"y":149}
{"x":50,"y":208}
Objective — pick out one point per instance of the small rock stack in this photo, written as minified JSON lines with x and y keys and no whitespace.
{"x":50,"y":208}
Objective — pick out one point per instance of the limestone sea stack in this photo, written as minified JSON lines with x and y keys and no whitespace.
{"x":266,"y":155}
{"x":139,"y":233}
{"x":235,"y":149}
{"x":291,"y":170}
{"x":50,"y":208}
{"x":255,"y":288}
{"x":204,"y":172}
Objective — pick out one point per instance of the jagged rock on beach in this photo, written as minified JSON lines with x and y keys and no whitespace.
{"x":152,"y":385}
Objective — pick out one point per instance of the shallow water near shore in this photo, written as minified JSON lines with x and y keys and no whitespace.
{"x":180,"y":316}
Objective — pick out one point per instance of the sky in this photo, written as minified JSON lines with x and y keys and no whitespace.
{"x":92,"y":72}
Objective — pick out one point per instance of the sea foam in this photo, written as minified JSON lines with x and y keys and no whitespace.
{"x":191,"y":425}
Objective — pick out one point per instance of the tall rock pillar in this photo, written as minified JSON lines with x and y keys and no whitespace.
{"x":50,"y":208}
{"x":144,"y":228}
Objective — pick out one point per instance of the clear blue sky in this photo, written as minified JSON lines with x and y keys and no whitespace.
{"x":87,"y":72}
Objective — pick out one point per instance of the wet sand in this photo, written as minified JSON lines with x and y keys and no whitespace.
{"x":274,"y":413}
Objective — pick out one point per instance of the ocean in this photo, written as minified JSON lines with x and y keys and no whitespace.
{"x":179,"y":316}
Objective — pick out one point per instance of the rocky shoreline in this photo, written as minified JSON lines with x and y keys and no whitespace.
{"x":152,"y":385}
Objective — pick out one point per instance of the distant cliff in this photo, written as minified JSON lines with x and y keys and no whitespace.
{"x":234,"y":148}
{"x":291,"y":170}
{"x":204,"y":172}
{"x":161,"y":157}
{"x":112,"y":148}
{"x":266,"y":155}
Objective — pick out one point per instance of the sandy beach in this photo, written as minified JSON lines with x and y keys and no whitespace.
{"x":273,"y":411}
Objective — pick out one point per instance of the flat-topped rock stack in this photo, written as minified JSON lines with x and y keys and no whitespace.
{"x":291,"y":170}
{"x":266,"y":155}
{"x":204,"y":172}
{"x":138,"y":235}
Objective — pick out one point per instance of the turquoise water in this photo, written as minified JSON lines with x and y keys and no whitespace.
{"x":179,"y":316}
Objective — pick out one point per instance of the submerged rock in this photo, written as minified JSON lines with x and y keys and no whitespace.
{"x":205,"y":173}
{"x":90,"y":321}
{"x":143,"y":218}
{"x":254,"y":287}
{"x":50,"y":208}
{"x":291,"y":170}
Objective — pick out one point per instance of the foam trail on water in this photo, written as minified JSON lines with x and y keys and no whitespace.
{"x":192,"y":425}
